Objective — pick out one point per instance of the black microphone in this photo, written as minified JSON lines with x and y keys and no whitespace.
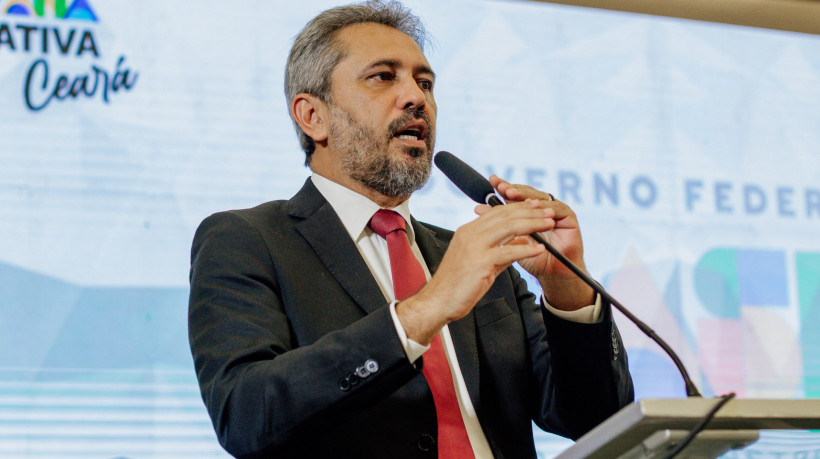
{"x":467,"y":179}
{"x":481,"y":191}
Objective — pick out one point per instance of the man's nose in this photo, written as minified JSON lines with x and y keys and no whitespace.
{"x":410,"y":96}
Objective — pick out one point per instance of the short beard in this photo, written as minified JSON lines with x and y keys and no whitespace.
{"x":366,"y":157}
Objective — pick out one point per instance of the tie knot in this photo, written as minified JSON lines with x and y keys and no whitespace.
{"x":385,"y":221}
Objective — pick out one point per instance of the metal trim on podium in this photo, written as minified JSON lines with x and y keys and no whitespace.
{"x":651,"y":427}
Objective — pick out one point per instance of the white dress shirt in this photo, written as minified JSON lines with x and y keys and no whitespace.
{"x":355,"y":211}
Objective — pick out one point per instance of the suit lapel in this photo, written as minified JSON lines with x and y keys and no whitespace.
{"x":431,"y":248}
{"x":318,"y":223}
{"x":463,"y":331}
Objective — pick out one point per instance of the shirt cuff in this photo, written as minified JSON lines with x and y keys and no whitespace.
{"x":587,"y":315}
{"x":413,"y":349}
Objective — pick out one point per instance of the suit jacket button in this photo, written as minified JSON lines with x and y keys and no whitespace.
{"x":353,"y":379}
{"x":362,"y":372}
{"x":426,"y":442}
{"x":344,"y":384}
{"x":371,"y":366}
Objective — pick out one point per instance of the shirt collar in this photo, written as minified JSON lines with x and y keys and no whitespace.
{"x":354,"y":209}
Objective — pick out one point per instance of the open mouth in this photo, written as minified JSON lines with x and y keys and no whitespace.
{"x":415,"y":130}
{"x":409,"y":134}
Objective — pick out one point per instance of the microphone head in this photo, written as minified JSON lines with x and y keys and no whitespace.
{"x":464,"y":177}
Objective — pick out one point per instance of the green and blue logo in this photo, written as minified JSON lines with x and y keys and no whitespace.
{"x":71,"y":36}
{"x":77,"y":10}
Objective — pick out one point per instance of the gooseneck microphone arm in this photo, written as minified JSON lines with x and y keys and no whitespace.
{"x":480,"y":190}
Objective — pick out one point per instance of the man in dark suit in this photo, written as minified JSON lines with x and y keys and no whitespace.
{"x":300,"y":345}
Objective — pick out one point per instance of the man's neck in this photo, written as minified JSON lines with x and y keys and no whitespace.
{"x":384,"y":201}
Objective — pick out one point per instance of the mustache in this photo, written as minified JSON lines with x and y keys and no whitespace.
{"x":410,"y":114}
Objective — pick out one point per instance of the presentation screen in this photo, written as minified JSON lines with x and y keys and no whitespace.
{"x":689,"y":151}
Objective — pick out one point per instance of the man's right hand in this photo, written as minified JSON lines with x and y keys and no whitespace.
{"x":478,"y":253}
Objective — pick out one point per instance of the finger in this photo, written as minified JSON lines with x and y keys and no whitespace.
{"x":495,"y":235}
{"x":504,"y":189}
{"x":500,"y":225}
{"x":518,"y":192}
{"x":482,"y":209}
{"x":518,"y":240}
{"x":507,"y":254}
{"x":496,"y":181}
{"x":521,"y":240}
{"x":507,"y":190}
{"x":503,"y":216}
{"x":564,"y":215}
{"x":531,"y":208}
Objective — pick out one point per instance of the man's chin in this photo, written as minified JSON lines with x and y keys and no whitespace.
{"x":403,"y":177}
{"x":417,"y":152}
{"x":414,"y":149}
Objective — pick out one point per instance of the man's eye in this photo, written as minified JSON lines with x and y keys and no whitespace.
{"x":383,"y":76}
{"x":426,"y":85}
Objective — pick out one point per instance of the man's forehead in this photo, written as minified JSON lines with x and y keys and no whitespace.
{"x":372,"y":42}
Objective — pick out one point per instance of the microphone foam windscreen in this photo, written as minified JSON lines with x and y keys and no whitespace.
{"x":464,"y":177}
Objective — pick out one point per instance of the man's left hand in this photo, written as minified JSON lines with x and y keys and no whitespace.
{"x":562,"y":288}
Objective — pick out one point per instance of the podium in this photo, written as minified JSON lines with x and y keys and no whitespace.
{"x":651,"y":428}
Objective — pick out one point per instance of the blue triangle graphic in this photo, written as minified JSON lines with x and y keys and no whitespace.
{"x":80,"y":9}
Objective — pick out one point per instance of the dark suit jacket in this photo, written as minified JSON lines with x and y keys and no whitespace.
{"x":283,"y":309}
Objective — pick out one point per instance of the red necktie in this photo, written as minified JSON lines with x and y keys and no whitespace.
{"x":409,"y":278}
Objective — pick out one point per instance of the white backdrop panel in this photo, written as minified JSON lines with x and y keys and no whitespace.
{"x":688,"y":150}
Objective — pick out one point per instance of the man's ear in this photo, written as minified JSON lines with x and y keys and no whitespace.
{"x":310,"y":114}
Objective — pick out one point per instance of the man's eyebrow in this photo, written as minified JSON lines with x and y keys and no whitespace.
{"x":425,"y":69}
{"x":394,"y":63}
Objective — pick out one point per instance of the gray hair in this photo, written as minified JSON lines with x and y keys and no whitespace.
{"x":315,"y":52}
